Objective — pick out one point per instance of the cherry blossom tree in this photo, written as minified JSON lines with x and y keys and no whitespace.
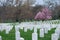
{"x":45,"y":14}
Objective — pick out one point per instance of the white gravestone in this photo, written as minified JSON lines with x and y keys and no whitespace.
{"x":54,"y":25}
{"x":57,"y":31}
{"x":8,"y":29}
{"x":0,"y":38}
{"x":5,"y":26}
{"x":16,"y":28}
{"x":55,"y":37}
{"x":17,"y":35}
{"x":0,"y":28}
{"x":25,"y":29}
{"x":31,"y":27}
{"x":41,"y":32}
{"x":34,"y":36}
{"x":35,"y":30}
{"x":45,"y":30}
{"x":21,"y":38}
{"x":21,"y":26}
{"x":48,"y":26}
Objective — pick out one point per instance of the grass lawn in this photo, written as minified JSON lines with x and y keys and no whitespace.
{"x":26,"y":35}
{"x":10,"y":36}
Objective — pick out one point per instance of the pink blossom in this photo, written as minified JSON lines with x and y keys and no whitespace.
{"x":45,"y":14}
{"x":40,"y":15}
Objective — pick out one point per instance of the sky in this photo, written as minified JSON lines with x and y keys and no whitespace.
{"x":42,"y":2}
{"x":38,"y":2}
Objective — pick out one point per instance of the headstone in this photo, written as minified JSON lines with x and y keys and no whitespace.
{"x":34,"y":36}
{"x":17,"y":35}
{"x":21,"y":38}
{"x":25,"y":29}
{"x":38,"y":26}
{"x":45,"y":30}
{"x":47,"y":27}
{"x":55,"y":37}
{"x":31,"y":28}
{"x":41,"y":32}
{"x":53,"y":25}
{"x":8,"y":28}
{"x":21,"y":26}
{"x":57,"y":31}
{"x":0,"y":28}
{"x":0,"y":38}
{"x":16,"y":28}
{"x":35,"y":30}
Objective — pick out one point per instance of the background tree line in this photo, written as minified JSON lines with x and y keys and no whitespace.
{"x":16,"y":10}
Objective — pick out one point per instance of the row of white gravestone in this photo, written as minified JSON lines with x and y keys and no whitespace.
{"x":41,"y":34}
{"x":34,"y":35}
{"x":38,"y":25}
{"x":6,"y":27}
{"x":27,"y":25}
{"x":54,"y":36}
{"x":43,"y":28}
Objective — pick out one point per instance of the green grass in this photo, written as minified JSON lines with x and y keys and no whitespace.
{"x":26,"y":35}
{"x":10,"y":36}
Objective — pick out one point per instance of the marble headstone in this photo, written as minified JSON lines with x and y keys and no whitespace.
{"x":34,"y":36}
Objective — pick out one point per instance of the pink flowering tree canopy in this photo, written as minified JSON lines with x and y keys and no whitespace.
{"x":44,"y":15}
